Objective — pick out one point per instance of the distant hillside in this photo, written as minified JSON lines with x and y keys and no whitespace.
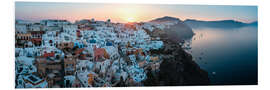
{"x":176,"y":32}
{"x":165,"y":19}
{"x":217,"y":24}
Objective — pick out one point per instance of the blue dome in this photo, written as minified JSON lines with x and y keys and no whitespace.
{"x":93,"y":41}
{"x":109,"y":44}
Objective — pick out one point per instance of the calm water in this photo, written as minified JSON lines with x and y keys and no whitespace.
{"x":229,"y":55}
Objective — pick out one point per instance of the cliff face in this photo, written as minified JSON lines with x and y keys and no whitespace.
{"x":177,"y":67}
{"x":179,"y":32}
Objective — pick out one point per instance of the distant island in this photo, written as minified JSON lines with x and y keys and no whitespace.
{"x":218,"y":24}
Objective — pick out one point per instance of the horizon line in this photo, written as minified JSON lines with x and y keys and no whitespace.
{"x":35,"y":21}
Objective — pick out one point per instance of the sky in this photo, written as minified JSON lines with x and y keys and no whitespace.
{"x":35,"y":11}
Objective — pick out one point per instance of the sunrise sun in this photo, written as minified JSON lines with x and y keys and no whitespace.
{"x":130,"y":19}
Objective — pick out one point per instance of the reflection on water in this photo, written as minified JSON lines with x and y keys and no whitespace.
{"x":230,"y":56}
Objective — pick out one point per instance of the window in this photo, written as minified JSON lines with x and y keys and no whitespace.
{"x":20,"y":81}
{"x":50,"y":41}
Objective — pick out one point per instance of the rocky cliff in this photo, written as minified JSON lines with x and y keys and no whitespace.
{"x":177,"y":67}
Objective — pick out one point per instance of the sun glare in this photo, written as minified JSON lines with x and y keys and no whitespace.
{"x":130,"y":19}
{"x":129,"y":14}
